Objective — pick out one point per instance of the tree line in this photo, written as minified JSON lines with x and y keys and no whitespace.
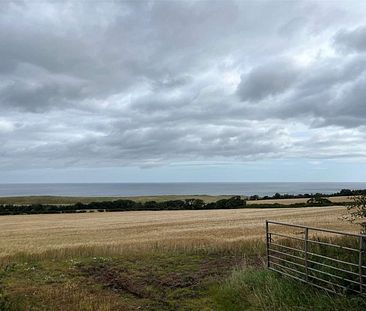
{"x":343,"y":192}
{"x":129,"y":205}
{"x":122,"y":205}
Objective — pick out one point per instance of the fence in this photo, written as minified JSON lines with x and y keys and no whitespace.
{"x":327,"y":259}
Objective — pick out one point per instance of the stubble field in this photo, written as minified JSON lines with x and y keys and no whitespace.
{"x":172,"y":229}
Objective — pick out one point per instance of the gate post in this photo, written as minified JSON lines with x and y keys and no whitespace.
{"x":267,"y":244}
{"x":360,"y":254}
{"x":306,"y":253}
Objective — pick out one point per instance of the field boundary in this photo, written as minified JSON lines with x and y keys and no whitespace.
{"x":327,"y":259}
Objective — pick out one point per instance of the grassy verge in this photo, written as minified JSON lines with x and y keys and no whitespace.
{"x":150,"y":280}
{"x":251,"y":289}
{"x":157,"y":278}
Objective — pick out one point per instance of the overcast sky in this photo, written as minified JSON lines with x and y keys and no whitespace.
{"x":182,"y":91}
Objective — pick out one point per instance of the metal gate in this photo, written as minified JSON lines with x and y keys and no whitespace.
{"x":328,"y":259}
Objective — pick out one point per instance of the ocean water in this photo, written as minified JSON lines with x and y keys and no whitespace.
{"x":140,"y":189}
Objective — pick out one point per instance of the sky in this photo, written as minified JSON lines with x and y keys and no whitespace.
{"x":171,"y":91}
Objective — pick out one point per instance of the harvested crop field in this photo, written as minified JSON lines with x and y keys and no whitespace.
{"x":341,"y":199}
{"x":131,"y":230}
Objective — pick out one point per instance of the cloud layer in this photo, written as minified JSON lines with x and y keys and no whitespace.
{"x":146,"y":83}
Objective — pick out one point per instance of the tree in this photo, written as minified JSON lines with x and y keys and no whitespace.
{"x":357,"y":211}
{"x":317,"y":199}
{"x":345,"y":192}
{"x":194,"y":204}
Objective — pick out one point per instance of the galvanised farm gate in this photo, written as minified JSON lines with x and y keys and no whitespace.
{"x":328,"y":259}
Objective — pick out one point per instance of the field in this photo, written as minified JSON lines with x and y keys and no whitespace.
{"x":164,"y":260}
{"x":38,"y":233}
{"x":340,"y":199}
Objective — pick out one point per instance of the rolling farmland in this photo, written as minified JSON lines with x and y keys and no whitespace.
{"x":38,"y":233}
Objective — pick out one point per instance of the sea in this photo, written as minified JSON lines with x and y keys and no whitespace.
{"x":184,"y":188}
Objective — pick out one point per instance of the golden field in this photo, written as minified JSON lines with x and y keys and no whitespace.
{"x":340,"y":199}
{"x":130,"y":230}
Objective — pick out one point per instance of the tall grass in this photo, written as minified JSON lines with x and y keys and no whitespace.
{"x":265,"y":290}
{"x":248,"y":247}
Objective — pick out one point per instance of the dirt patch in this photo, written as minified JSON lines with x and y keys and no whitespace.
{"x":154,"y":281}
{"x":117,"y":279}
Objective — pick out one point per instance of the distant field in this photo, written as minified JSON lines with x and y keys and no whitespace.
{"x":206,"y":198}
{"x":123,"y":230}
{"x":73,"y":200}
{"x":340,"y":199}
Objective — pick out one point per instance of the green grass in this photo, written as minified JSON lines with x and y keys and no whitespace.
{"x":261,"y":289}
{"x":171,"y":280}
{"x":157,"y":279}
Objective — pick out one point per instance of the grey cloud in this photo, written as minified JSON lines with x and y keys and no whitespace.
{"x":331,"y":73}
{"x":267,"y":80}
{"x":169,"y":82}
{"x":293,"y":26}
{"x":351,"y":40}
{"x":37,"y":98}
{"x":329,"y":91}
{"x":352,"y":101}
{"x":153,"y":83}
{"x":114,"y":46}
{"x":147,"y":145}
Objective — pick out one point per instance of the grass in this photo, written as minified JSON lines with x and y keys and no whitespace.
{"x":261,"y":289}
{"x":211,"y":278}
{"x":155,"y":279}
